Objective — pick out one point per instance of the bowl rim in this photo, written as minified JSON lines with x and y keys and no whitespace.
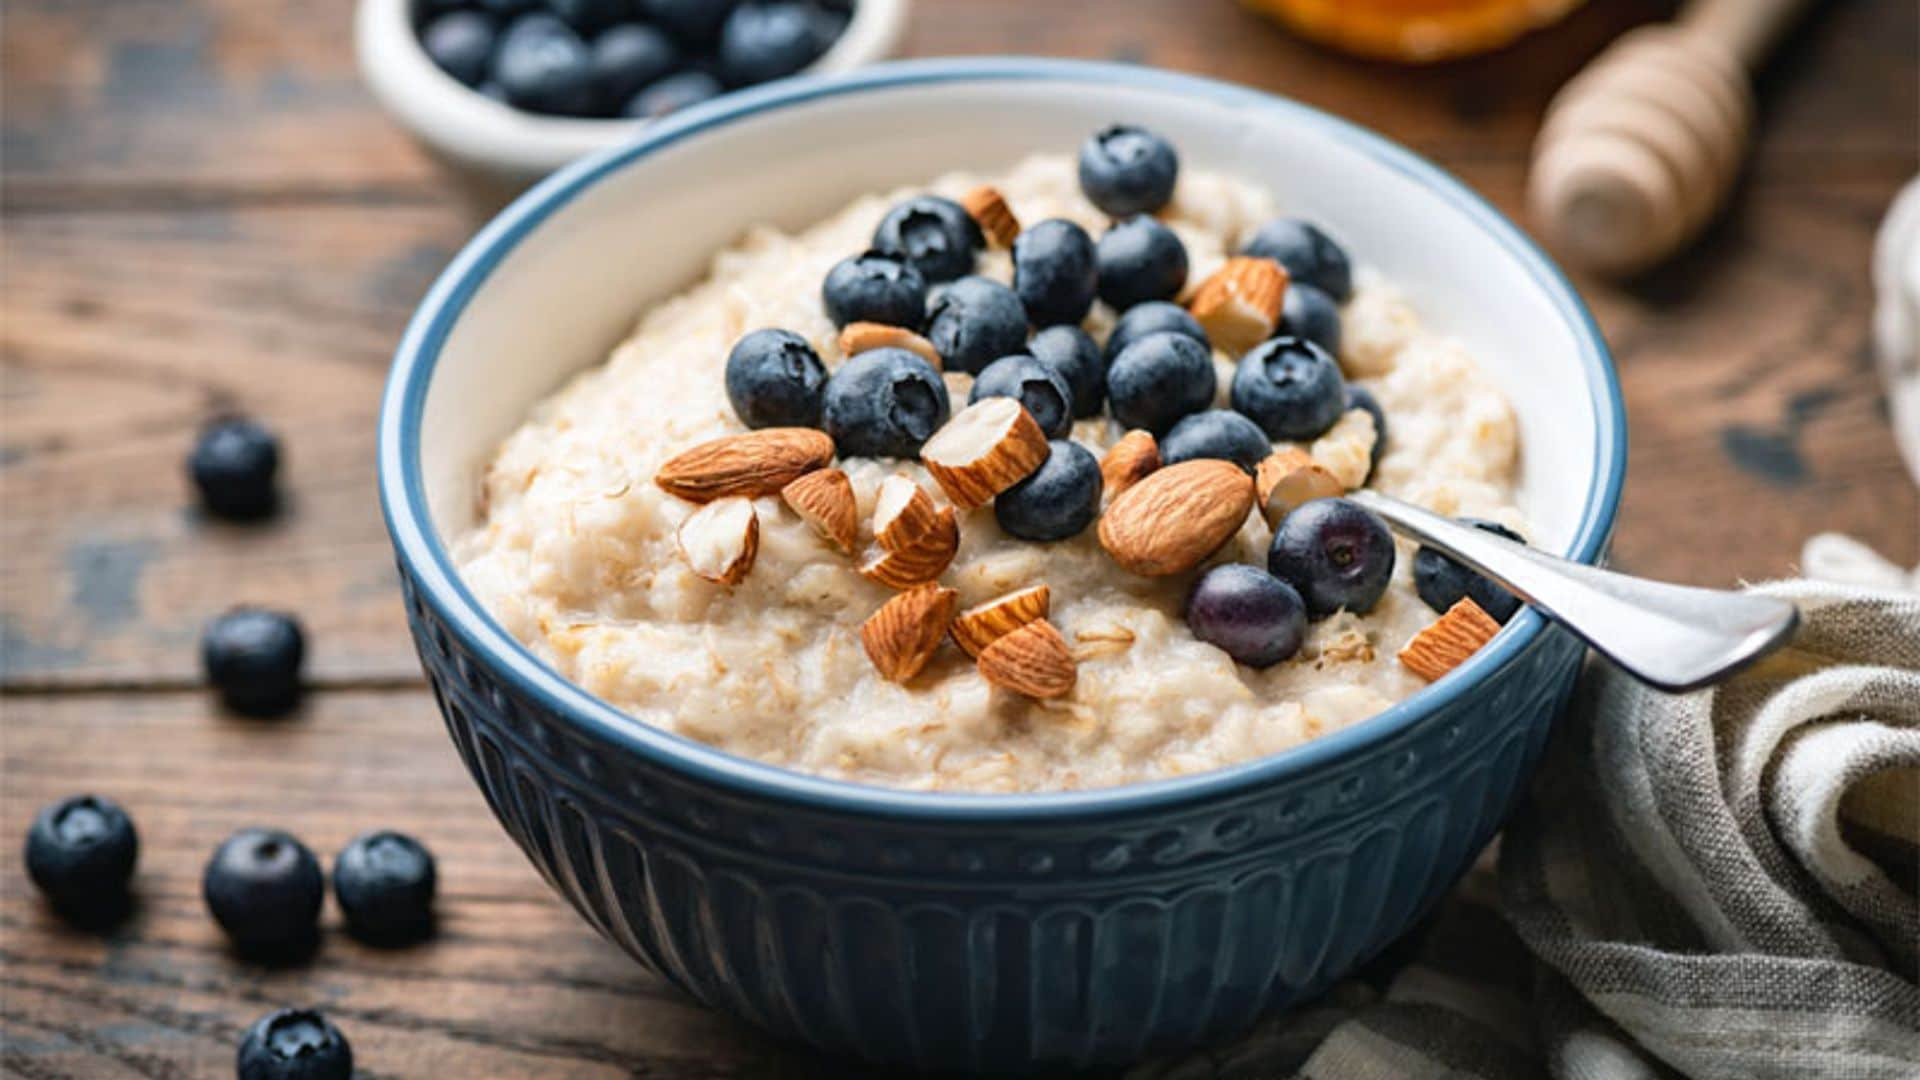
{"x":438,"y":583}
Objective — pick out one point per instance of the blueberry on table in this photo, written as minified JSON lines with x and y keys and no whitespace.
{"x":1216,"y":433}
{"x":1291,"y":387}
{"x":974,"y":322}
{"x":1159,"y":379}
{"x":775,"y":379}
{"x":1139,"y":259}
{"x":694,"y":22}
{"x":1359,"y":397}
{"x":1033,"y":384}
{"x":1335,"y":553}
{"x":1310,"y":255}
{"x":630,"y":57}
{"x":1070,"y":352}
{"x":589,"y":17}
{"x":1442,"y":582}
{"x":233,"y":465}
{"x":761,"y":42}
{"x":264,"y":888}
{"x":1308,"y":312}
{"x":1056,"y":501}
{"x":671,"y":94}
{"x":80,"y":853}
{"x":385,"y":883}
{"x":461,"y":43}
{"x":295,"y":1044}
{"x":1054,"y":272}
{"x":936,"y":235}
{"x":1253,"y":616}
{"x":884,"y":403}
{"x":1153,"y":317}
{"x":544,"y":67}
{"x":1128,"y":170}
{"x":253,"y":658}
{"x":875,"y":287}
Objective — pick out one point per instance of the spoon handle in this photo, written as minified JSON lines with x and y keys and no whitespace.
{"x":1673,"y":637}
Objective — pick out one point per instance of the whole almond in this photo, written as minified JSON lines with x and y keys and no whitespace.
{"x":1449,"y":641}
{"x":1033,"y":660}
{"x":1172,"y":520}
{"x":1290,"y":477}
{"x":981,"y":625}
{"x":996,"y":219}
{"x":1239,"y":304}
{"x":986,"y":448}
{"x":719,"y":540}
{"x":921,"y":561}
{"x":859,"y":337}
{"x":1128,"y":461}
{"x":752,"y":463}
{"x":824,"y":499}
{"x":905,"y":633}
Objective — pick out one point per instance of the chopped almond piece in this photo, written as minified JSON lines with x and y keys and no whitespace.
{"x":996,"y":219}
{"x":903,"y":514}
{"x":824,"y":500}
{"x":905,"y":633}
{"x":1289,"y":478}
{"x":859,"y":337}
{"x":1128,"y":461}
{"x":719,"y":540}
{"x":987,"y":448}
{"x":1033,"y":660}
{"x":1240,"y":303}
{"x":922,"y":560}
{"x":978,"y":627}
{"x":1449,"y":641}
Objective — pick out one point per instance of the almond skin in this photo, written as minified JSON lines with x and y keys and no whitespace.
{"x":1239,"y":304}
{"x":1449,"y":641}
{"x":1289,"y":478}
{"x":719,"y":540}
{"x":996,"y":219}
{"x":905,"y":633}
{"x":753,"y":463}
{"x":824,"y":499}
{"x":859,"y":337}
{"x":1171,"y":521}
{"x":986,"y":448}
{"x":980,"y":626}
{"x":1033,"y":660}
{"x":922,"y":561}
{"x":1129,"y":461}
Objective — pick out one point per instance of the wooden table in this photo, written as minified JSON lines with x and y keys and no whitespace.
{"x":203,"y":210}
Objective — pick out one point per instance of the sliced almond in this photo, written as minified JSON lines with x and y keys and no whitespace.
{"x":1176,"y":517}
{"x":752,"y":463}
{"x":1240,"y":303}
{"x":720,"y":539}
{"x":1128,"y":461}
{"x":921,"y":561}
{"x":987,"y":448}
{"x":824,"y":499}
{"x":1289,"y":478}
{"x":905,"y":633}
{"x":981,"y":625}
{"x":859,"y":337}
{"x":1446,"y":643}
{"x":996,"y":219}
{"x":1033,"y":660}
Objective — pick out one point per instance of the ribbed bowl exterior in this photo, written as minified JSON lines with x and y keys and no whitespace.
{"x":1043,"y":944}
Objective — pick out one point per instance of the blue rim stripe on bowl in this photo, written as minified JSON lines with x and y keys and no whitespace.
{"x":403,"y":494}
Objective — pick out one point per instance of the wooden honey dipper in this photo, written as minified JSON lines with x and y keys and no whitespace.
{"x":1638,"y":151}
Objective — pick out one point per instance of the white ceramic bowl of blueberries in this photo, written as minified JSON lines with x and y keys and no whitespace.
{"x":512,"y":89}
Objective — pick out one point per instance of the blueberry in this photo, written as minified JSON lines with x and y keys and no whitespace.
{"x":385,"y":884}
{"x":1337,"y":553}
{"x":761,"y":42}
{"x":1359,"y":397}
{"x":1069,"y":351}
{"x":1216,"y":433}
{"x":264,"y":888}
{"x":775,"y":379}
{"x":1310,"y":313}
{"x":1152,"y":317}
{"x":884,"y":403}
{"x":502,"y":8}
{"x":1056,"y":501}
{"x":974,"y":322}
{"x":629,"y":57}
{"x":233,"y":466}
{"x":1054,"y":272}
{"x":545,"y":67}
{"x":1033,"y":384}
{"x":936,"y":235}
{"x":461,"y":42}
{"x":1255,"y":617}
{"x":80,"y":852}
{"x":589,"y":17}
{"x":671,"y":94}
{"x":1442,"y":582}
{"x":295,"y":1044}
{"x":695,"y":22}
{"x":1139,"y":260}
{"x":1128,"y":170}
{"x":1290,"y":387}
{"x":1159,"y":379}
{"x":1310,"y":255}
{"x":253,"y":657}
{"x":875,"y":287}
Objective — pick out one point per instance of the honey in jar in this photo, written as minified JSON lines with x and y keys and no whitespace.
{"x":1414,"y":31}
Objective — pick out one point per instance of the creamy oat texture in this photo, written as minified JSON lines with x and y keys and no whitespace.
{"x":575,"y":552}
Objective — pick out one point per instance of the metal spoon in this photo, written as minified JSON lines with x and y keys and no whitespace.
{"x":1673,"y":637}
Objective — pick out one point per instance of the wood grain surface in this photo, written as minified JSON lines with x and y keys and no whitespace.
{"x":201,"y":210}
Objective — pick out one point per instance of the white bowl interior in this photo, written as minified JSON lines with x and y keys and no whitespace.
{"x":573,"y":286}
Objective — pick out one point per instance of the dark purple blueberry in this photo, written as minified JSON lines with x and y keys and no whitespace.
{"x":1153,"y":317}
{"x":385,"y":883}
{"x":1069,"y":351}
{"x":974,"y":322}
{"x":1310,"y":313}
{"x":1033,"y":384}
{"x":775,"y":379}
{"x":80,"y":853}
{"x":1310,"y":255}
{"x":233,"y":465}
{"x":671,"y":94}
{"x":1253,"y":616}
{"x":1159,"y":379}
{"x":1290,"y":387}
{"x":461,"y":43}
{"x":875,"y":287}
{"x":1140,"y":259}
{"x":1054,"y":272}
{"x":884,"y":403}
{"x":764,"y":41}
{"x":1216,"y":433}
{"x":1359,"y":397}
{"x":629,"y":57}
{"x":1337,"y":553}
{"x":936,"y":235}
{"x":1056,"y":501}
{"x":264,"y":888}
{"x":1128,"y":170}
{"x":589,"y":17}
{"x":295,"y":1044}
{"x":253,"y":658}
{"x":544,"y":67}
{"x":694,"y":22}
{"x":1442,"y":582}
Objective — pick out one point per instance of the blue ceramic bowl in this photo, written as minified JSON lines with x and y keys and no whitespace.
{"x":947,"y":930}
